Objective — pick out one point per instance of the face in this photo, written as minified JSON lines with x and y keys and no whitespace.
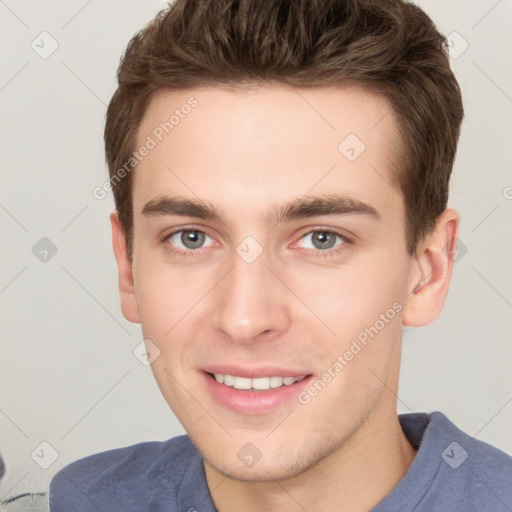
{"x":269,"y":243}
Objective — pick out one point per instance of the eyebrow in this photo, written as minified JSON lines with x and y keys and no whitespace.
{"x":300,"y":208}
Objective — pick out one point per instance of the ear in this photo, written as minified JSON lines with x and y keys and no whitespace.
{"x":124,"y":267}
{"x":432,"y":271}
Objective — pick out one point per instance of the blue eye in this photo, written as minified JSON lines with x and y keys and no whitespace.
{"x":188,"y":239}
{"x":323,"y":239}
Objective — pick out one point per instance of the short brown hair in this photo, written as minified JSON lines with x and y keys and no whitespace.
{"x":388,"y":46}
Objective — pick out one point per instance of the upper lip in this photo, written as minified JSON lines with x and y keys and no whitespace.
{"x":254,"y":372}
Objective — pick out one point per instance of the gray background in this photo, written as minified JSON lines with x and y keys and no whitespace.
{"x":68,"y":374}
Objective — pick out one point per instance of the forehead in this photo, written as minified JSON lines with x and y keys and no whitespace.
{"x":253,"y":147}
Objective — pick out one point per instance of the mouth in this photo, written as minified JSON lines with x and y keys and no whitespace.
{"x":256,"y":383}
{"x":255,"y":394}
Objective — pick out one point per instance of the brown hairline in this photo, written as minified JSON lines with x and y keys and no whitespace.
{"x":415,"y":78}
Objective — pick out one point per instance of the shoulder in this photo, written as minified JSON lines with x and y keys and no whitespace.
{"x":451,"y":471}
{"x":118,"y":479}
{"x":481,"y":473}
{"x":480,"y":454}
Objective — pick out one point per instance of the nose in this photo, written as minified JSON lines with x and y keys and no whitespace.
{"x":250,"y":302}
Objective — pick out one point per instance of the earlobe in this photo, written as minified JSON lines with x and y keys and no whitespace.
{"x":124,"y":266}
{"x":431,"y":277}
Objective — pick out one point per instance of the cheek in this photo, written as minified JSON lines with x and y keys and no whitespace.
{"x":351,"y":297}
{"x":167,"y":295}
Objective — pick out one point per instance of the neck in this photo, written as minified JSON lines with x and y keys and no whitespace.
{"x":355,"y":477}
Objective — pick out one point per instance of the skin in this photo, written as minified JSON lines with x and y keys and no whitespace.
{"x":244,"y":152}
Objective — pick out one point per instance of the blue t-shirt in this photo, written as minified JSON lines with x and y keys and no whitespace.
{"x":451,"y":472}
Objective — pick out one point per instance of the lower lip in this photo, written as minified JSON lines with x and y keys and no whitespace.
{"x":251,"y":401}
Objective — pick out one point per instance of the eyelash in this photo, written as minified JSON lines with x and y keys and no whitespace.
{"x":326,"y":253}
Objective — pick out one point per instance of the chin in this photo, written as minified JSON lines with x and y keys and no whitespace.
{"x":262,"y":471}
{"x":280,"y":461}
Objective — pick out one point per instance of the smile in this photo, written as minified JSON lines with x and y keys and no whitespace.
{"x":257,"y":383}
{"x":252,"y":393}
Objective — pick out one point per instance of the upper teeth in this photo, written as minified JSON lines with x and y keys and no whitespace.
{"x":261,"y":383}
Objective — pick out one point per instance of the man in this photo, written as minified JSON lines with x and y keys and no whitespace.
{"x":280,"y":171}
